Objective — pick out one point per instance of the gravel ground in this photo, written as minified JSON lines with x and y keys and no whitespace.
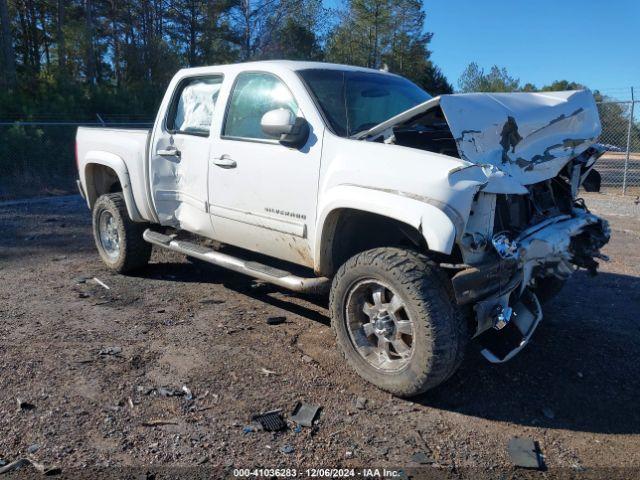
{"x":100,"y":372}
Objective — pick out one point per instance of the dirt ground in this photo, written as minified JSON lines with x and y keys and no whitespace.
{"x":97,"y":365}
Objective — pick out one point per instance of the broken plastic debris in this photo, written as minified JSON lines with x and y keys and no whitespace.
{"x":422,"y":458}
{"x":524,"y":452}
{"x":271,"y":421}
{"x":24,"y":405}
{"x":101,"y":283}
{"x":169,"y":392}
{"x":361,"y":403}
{"x":287,"y":449}
{"x":114,"y":351}
{"x":33,"y":448}
{"x":23,"y":462}
{"x":304,"y":414}
{"x":276,"y":320}
{"x":187,"y":393}
{"x":157,"y":422}
{"x":15,"y":465}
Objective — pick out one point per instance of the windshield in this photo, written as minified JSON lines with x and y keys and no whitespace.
{"x":353,"y":102}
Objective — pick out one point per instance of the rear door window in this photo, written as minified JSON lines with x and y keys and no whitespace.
{"x":193,"y":106}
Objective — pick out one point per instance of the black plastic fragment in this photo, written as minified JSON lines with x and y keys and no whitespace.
{"x":276,"y":320}
{"x":270,"y":421}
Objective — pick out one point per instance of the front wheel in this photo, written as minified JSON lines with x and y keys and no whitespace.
{"x":395,"y":320}
{"x":118,"y":238}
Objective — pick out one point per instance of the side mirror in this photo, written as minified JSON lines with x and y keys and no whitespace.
{"x":281,"y":123}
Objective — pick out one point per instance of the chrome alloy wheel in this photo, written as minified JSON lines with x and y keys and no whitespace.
{"x":109,"y":236}
{"x":379,"y":325}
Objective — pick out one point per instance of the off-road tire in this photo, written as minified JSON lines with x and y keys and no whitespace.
{"x":548,"y":288}
{"x":134,"y":251}
{"x":440,"y":327}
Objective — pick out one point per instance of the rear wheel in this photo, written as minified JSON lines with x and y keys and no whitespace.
{"x":396,"y":322}
{"x":118,"y":239}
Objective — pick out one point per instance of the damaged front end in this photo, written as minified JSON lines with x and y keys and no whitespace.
{"x":526,"y":226}
{"x":502,"y":286}
{"x":516,"y":244}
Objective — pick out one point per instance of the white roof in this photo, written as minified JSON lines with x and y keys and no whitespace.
{"x":277,"y":65}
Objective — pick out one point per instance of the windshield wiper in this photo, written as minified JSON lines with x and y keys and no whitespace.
{"x":360,"y":134}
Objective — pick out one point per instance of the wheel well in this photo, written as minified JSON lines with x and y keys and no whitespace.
{"x":100,"y":180}
{"x":348,"y":232}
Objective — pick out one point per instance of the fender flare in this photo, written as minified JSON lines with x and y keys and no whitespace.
{"x":117,"y":164}
{"x":433,"y":220}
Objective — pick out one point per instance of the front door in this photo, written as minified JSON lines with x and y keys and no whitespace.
{"x":180,"y":156}
{"x":263,"y":194}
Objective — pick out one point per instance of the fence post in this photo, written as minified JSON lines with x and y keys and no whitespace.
{"x":626,"y":160}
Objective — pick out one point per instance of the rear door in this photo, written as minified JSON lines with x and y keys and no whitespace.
{"x":263,"y":194}
{"x":179,"y":155}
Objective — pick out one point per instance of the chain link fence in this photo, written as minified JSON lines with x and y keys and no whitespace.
{"x":620,"y":165}
{"x":37,"y":157}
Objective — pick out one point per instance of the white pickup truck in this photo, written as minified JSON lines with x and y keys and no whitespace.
{"x":431,"y":220}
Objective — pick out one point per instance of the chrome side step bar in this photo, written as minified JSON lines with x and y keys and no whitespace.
{"x":257,"y":270}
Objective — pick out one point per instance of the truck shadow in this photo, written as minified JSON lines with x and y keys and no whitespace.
{"x":307,"y":306}
{"x":580,"y":372}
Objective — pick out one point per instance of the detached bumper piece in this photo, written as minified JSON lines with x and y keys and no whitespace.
{"x":500,"y":345}
{"x":475,"y":283}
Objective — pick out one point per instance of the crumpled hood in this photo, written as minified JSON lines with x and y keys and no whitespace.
{"x":528,"y":136}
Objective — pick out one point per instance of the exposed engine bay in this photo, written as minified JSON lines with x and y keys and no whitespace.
{"x":528,"y":229}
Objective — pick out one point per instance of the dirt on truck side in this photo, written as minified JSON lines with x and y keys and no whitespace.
{"x":161,"y":372}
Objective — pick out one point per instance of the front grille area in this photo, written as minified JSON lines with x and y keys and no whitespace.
{"x":515,"y":213}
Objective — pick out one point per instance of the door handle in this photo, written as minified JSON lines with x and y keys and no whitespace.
{"x":169,"y":152}
{"x":225,"y":161}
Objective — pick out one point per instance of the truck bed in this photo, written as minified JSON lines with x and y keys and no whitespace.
{"x":104,"y":145}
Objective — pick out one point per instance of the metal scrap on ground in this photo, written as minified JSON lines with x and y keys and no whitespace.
{"x":304,"y":414}
{"x":101,"y":283}
{"x":23,"y":462}
{"x":524,"y":452}
{"x":157,"y":422}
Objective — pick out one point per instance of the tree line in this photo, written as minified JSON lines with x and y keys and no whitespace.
{"x":73,"y":59}
{"x":120,"y":54}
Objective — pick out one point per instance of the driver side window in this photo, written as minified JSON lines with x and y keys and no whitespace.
{"x":254,"y":94}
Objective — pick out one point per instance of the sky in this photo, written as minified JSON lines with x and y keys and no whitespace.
{"x":593,"y":42}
